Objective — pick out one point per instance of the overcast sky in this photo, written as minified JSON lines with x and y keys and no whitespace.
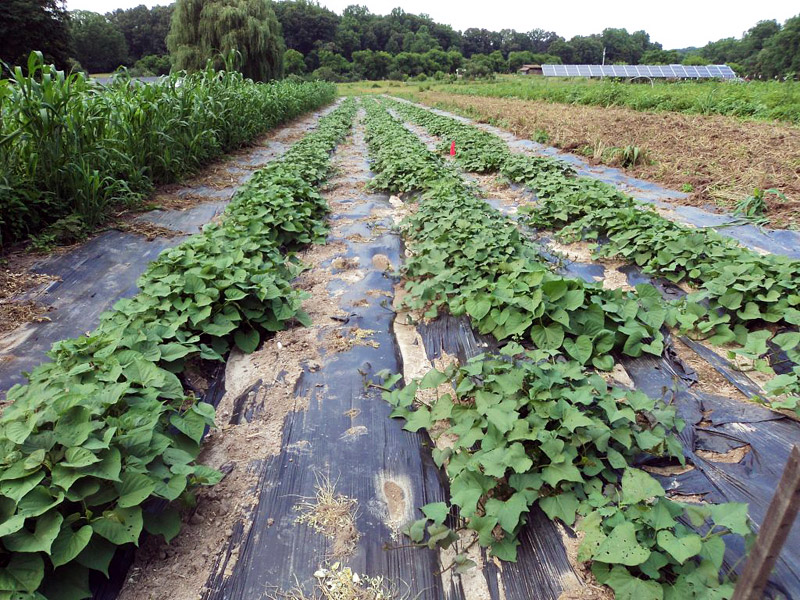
{"x":675,"y":24}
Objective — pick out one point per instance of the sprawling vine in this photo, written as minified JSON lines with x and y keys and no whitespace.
{"x":107,"y":426}
{"x":537,"y":424}
{"x":741,"y":297}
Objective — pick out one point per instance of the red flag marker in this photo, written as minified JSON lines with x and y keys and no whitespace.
{"x":453,"y":148}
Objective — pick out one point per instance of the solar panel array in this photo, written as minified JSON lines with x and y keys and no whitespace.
{"x":670,"y":71}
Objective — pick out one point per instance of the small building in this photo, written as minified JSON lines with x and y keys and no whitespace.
{"x":530,"y":70}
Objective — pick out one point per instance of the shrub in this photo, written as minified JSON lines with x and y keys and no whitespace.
{"x":153,"y":65}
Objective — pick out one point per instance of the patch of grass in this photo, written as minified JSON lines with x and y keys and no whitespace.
{"x":754,"y":207}
{"x":765,"y":100}
{"x":332,"y":515}
{"x":626,"y":156}
{"x":541,"y":136}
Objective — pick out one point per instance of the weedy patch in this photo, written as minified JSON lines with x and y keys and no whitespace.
{"x":332,"y":515}
{"x":626,"y":156}
{"x":754,"y":207}
{"x":342,"y":583}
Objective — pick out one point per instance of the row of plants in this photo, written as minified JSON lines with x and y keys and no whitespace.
{"x":71,"y":148}
{"x":105,"y":435}
{"x":741,"y":298}
{"x":536,"y":424}
{"x":500,"y":280}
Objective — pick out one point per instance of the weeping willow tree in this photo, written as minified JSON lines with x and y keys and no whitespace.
{"x":209,"y":29}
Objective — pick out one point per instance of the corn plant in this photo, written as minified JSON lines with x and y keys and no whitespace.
{"x":104,"y":435}
{"x":71,"y":147}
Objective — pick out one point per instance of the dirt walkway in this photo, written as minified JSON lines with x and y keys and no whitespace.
{"x":719,"y":160}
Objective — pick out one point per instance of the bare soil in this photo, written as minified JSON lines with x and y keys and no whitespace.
{"x":709,"y":380}
{"x":722,"y":158}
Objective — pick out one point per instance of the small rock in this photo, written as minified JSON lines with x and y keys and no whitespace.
{"x":196,"y":519}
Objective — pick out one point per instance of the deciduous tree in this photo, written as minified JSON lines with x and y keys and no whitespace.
{"x":145,"y":29}
{"x":99,"y":46}
{"x":293,"y":63}
{"x":203,"y":30}
{"x":305,"y":24}
{"x":780,"y":56}
{"x":27,"y":25}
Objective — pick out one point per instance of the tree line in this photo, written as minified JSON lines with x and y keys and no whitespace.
{"x":304,"y":39}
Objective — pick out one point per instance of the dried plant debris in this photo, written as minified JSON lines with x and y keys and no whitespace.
{"x":15,"y":314}
{"x":342,"y":263}
{"x":332,"y":515}
{"x":147,"y":229}
{"x":344,"y":340}
{"x":731,"y":456}
{"x":14,"y":309}
{"x":337,"y":582}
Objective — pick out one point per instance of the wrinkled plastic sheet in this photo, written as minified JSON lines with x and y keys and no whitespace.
{"x":273,"y":552}
{"x":776,"y":241}
{"x":721,"y":424}
{"x":94,"y":275}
